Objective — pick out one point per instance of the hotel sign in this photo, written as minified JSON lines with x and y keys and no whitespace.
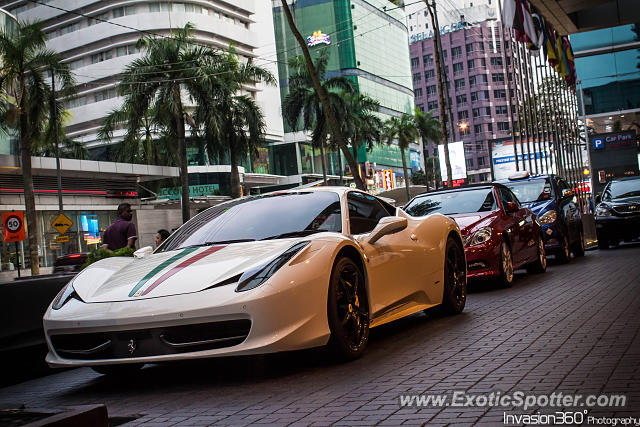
{"x":456,"y":26}
{"x":318,"y":38}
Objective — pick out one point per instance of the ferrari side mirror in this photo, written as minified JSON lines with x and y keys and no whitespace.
{"x":387,"y":225}
{"x":143,"y":252}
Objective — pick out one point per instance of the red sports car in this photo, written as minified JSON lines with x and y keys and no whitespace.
{"x":499,"y":235}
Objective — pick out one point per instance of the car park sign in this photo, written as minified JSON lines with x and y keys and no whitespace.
{"x":13,"y":226}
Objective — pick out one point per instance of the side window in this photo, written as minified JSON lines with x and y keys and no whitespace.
{"x":507,"y":196}
{"x":364,"y":212}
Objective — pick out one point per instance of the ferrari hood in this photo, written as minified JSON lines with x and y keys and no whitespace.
{"x":173,"y":272}
{"x":469,"y":221}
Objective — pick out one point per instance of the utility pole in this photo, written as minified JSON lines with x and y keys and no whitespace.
{"x":54,"y":122}
{"x":436,"y":54}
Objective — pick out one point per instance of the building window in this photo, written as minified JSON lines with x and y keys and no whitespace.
{"x":432,"y":105}
{"x":456,"y":52}
{"x":459,"y":83}
{"x":469,"y":47}
{"x":99,"y":18}
{"x":481,"y":160}
{"x":464,"y":131}
{"x":497,"y":77}
{"x":483,"y":62}
{"x":477,"y":128}
{"x":75,"y":102}
{"x":490,"y":127}
{"x":458,"y":68}
{"x":499,"y":93}
{"x":417,"y":77}
{"x":414,"y":62}
{"x":468,"y":161}
{"x":471,"y":64}
{"x":427,"y":59}
{"x":421,"y":107}
{"x":496,"y":61}
{"x":503,"y":126}
{"x":463,"y":114}
{"x":487,"y":113}
{"x":480,"y":145}
{"x":482,"y":79}
{"x":480,"y":47}
{"x":429,"y":74}
{"x":102,"y":56}
{"x":418,"y":91}
{"x":501,"y":110}
{"x":431,"y":90}
{"x":123,"y":11}
{"x":461,"y":100}
{"x":105,"y":94}
{"x":475,"y":112}
{"x":78,"y":63}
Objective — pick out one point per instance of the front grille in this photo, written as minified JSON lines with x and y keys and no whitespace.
{"x":627,"y":209}
{"x":151,"y":342}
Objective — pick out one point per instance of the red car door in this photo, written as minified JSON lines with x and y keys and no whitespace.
{"x":516,"y":226}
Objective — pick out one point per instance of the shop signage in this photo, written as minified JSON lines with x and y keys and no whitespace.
{"x":13,"y":226}
{"x":456,"y":26}
{"x":172,"y":193}
{"x":318,"y":38}
{"x":387,"y":179}
{"x":62,"y":223}
{"x":62,"y":239}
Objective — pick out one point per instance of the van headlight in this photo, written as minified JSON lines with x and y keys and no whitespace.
{"x":548,"y":217}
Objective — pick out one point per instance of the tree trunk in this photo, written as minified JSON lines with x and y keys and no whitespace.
{"x":324,"y":166}
{"x":29,"y":197}
{"x":406,"y":173}
{"x":340,"y":166}
{"x":436,"y":55}
{"x":424,"y":154}
{"x":235,"y":175}
{"x":324,"y":97}
{"x":182,"y":150}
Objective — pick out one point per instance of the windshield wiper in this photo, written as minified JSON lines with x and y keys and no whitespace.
{"x":300,"y":233}
{"x":219,"y":242}
{"x":629,"y":194}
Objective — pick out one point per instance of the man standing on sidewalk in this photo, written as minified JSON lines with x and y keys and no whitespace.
{"x":122,"y":232}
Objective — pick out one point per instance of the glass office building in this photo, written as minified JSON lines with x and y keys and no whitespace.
{"x":367,"y":41}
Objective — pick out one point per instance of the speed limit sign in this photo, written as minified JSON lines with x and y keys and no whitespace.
{"x":13,"y":226}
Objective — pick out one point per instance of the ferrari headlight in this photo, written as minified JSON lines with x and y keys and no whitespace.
{"x":255,"y":277}
{"x":479,"y":237}
{"x":548,"y":217}
{"x":603,"y":210}
{"x":64,"y":295}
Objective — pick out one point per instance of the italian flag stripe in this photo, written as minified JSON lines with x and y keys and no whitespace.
{"x":159,"y":268}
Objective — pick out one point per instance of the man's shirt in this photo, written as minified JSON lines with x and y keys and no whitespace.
{"x":118,"y":233}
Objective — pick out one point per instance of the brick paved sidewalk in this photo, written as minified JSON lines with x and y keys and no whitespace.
{"x":571,"y":330}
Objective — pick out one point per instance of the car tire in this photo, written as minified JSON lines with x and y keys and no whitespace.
{"x":118,"y":371}
{"x":603,"y":243}
{"x":540,"y":264}
{"x":454,"y":295}
{"x":506,"y":265}
{"x":564,"y":254}
{"x":347,"y":311}
{"x":578,"y":246}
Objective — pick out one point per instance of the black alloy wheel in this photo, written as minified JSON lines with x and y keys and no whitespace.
{"x":455,"y":279}
{"x":564,"y":255}
{"x":347,"y":310}
{"x":540,"y":264}
{"x":578,"y":246}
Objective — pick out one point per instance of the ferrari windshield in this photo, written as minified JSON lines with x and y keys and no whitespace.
{"x":453,"y":202}
{"x":535,"y":190}
{"x":263,"y":217}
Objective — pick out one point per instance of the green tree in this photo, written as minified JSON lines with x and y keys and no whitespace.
{"x":429,"y":129}
{"x":229,"y":122}
{"x":302,"y":107}
{"x":25,"y":59}
{"x":361,"y":124}
{"x":173,"y":72}
{"x":404,"y":130}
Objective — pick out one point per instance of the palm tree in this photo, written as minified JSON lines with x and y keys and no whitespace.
{"x":404,"y":130}
{"x":361,"y":125}
{"x":24,"y":60}
{"x":302,"y":103}
{"x":429,"y":129}
{"x":232,"y":123}
{"x":173,"y":70}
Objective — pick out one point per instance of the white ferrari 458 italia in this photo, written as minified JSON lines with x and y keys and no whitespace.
{"x":278,"y":272}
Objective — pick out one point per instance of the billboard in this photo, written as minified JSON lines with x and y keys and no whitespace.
{"x":457,"y":160}
{"x":613,"y":155}
{"x":503,"y":159}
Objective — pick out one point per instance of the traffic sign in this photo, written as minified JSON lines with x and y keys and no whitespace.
{"x":62,"y":223}
{"x":13,"y":226}
{"x":62,"y":239}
